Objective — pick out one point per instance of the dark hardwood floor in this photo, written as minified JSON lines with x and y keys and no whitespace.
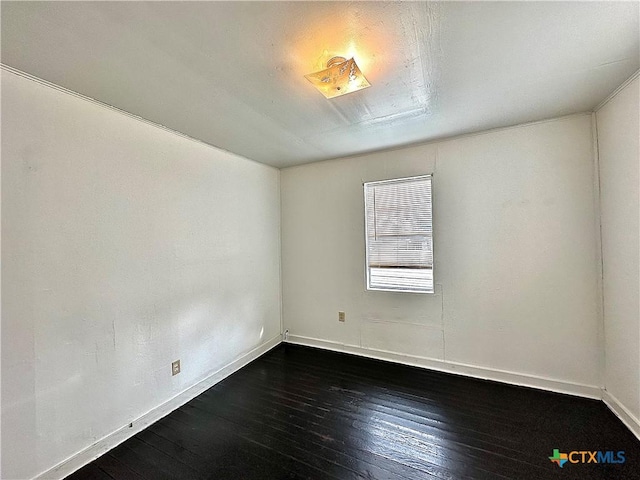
{"x":299,"y":412}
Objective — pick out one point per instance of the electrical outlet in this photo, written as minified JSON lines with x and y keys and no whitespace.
{"x":341,"y":316}
{"x":175,"y":367}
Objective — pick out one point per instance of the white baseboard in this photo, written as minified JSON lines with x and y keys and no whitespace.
{"x":87,"y":455}
{"x":588,"y":391}
{"x":622,"y":412}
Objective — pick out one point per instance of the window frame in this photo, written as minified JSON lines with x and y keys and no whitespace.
{"x":366,"y":240}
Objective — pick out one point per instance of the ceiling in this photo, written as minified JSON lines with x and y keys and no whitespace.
{"x":232,"y":73}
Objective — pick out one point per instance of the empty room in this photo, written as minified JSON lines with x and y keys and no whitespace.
{"x":320,"y":240}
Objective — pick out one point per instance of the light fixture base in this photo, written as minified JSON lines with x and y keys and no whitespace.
{"x":335,"y":61}
{"x":341,"y":76}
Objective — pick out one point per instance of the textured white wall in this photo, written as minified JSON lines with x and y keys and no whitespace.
{"x":515,"y":254}
{"x":124,"y":247}
{"x":619,"y":156}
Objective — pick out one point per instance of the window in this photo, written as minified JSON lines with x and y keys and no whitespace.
{"x":399,"y":239}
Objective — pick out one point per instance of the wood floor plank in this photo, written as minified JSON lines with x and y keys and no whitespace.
{"x":363,"y":420}
{"x":229,"y":449}
{"x":93,"y":472}
{"x":328,"y":460}
{"x":304,"y":413}
{"x":365,"y":436}
{"x":116,"y":469}
{"x":322,"y":443}
{"x":276,"y":447}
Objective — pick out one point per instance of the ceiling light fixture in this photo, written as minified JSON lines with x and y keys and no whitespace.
{"x":341,"y":76}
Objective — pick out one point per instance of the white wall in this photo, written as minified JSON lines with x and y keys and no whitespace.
{"x":124,"y":248}
{"x":619,"y":156}
{"x":515,"y":257}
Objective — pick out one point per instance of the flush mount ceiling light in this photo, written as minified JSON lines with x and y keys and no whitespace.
{"x":341,"y":76}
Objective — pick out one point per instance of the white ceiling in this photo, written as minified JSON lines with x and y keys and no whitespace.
{"x":232,"y":73}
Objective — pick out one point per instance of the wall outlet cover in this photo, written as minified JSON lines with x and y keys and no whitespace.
{"x":175,"y":367}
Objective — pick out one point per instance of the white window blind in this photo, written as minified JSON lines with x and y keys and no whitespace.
{"x":399,"y":236}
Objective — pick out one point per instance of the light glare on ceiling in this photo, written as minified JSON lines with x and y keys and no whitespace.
{"x":341,"y":76}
